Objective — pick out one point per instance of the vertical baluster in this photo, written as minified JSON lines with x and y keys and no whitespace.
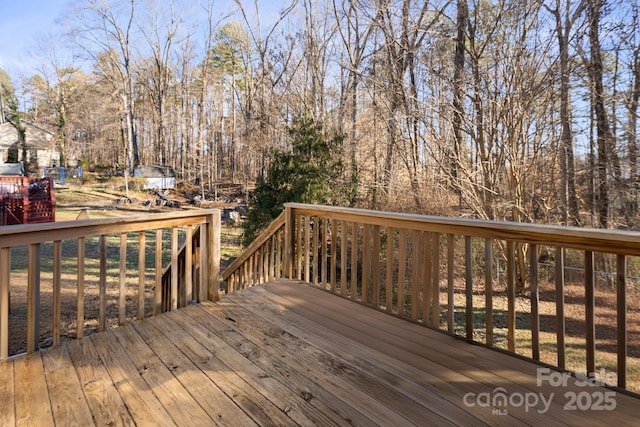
{"x":188,"y":266}
{"x":265,"y":261}
{"x":590,"y":309}
{"x":426,"y":277}
{"x":80,"y":289}
{"x":355,"y":231}
{"x":174,"y":268}
{"x":366,"y":262}
{"x":102,"y":310}
{"x":279,"y":272}
{"x":468,"y":264}
{"x":142,"y":243}
{"x":535,"y":299}
{"x":389,"y":274}
{"x":402,"y":269}
{"x":416,"y":258}
{"x":57,"y":283}
{"x":435,"y":277}
{"x":231,"y":283}
{"x":621,"y":303}
{"x":450,"y":283}
{"x":289,"y":243}
{"x":214,"y":231}
{"x":204,"y":263}
{"x":298,"y":249}
{"x":560,"y":321}
{"x":315,"y":250}
{"x":375,"y":284}
{"x":488,"y":290}
{"x":253,"y":262}
{"x":323,"y":258}
{"x":122,"y":301}
{"x":262,"y":255}
{"x":511,"y":298}
{"x":33,"y":297}
{"x":307,"y":250}
{"x":344,"y":237}
{"x":256,"y":265}
{"x":334,"y":254}
{"x":422,"y":274}
{"x":246,"y":274}
{"x":157,"y":292}
{"x":272,"y":258}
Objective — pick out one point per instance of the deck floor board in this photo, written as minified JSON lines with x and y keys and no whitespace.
{"x":284,"y":353}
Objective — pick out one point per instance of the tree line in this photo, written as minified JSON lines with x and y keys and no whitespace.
{"x":500,"y":109}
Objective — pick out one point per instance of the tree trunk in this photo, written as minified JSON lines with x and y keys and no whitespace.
{"x":602,"y":122}
{"x":462,"y":20}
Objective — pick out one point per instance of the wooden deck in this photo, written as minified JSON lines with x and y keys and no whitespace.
{"x":285,"y":353}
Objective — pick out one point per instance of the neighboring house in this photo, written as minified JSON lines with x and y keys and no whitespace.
{"x":40,"y":145}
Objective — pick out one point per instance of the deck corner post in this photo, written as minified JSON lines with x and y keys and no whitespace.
{"x":213,"y":262}
{"x":289,"y":235}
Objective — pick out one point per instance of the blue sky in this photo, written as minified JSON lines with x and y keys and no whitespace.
{"x":24,"y":22}
{"x":21,"y":23}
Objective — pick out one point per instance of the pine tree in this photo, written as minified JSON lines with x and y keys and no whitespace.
{"x":310,"y":173}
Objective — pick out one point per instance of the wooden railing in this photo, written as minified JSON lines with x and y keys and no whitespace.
{"x":86,"y":260}
{"x":480,"y":280}
{"x":261,"y":262}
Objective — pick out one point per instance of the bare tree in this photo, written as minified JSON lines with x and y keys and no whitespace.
{"x":404,"y":35}
{"x":603,"y":126}
{"x":355,"y":37}
{"x":160,"y":30}
{"x":261,"y":107}
{"x":106,"y":32}
{"x":462,"y":20}
{"x":565,"y":18}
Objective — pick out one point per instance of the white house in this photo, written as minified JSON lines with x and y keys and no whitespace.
{"x":40,"y":145}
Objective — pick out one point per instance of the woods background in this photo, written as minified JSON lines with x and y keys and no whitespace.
{"x":508,"y":109}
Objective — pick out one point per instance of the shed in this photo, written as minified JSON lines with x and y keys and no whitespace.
{"x":11,"y":169}
{"x":156,"y":176}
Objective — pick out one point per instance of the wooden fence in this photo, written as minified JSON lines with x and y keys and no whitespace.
{"x":441,"y":272}
{"x":197,"y":282}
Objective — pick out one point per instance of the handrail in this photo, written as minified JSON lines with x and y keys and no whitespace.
{"x":267,"y":242}
{"x":132,"y":232}
{"x":435,"y":270}
{"x":613,"y":241}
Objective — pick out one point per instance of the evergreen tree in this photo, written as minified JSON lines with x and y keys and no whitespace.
{"x":310,"y":173}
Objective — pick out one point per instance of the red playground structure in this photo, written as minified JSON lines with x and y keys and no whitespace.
{"x":26,"y":200}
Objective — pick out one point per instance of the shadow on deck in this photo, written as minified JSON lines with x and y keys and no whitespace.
{"x":286,"y":353}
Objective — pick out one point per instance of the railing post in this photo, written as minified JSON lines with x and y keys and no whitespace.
{"x":5,"y":272}
{"x":157,"y":292}
{"x":621,"y":298}
{"x":289,"y":243}
{"x":213,"y":251}
{"x":174,"y":270}
{"x":33,"y":298}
